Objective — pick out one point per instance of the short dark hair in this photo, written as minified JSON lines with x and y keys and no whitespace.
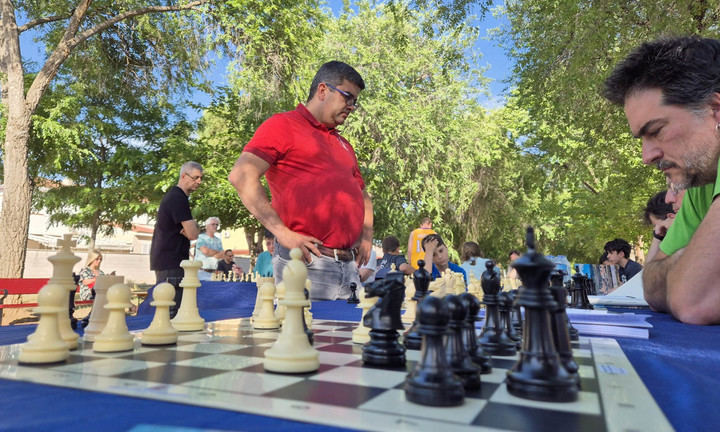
{"x":603,"y":258}
{"x":429,"y":237}
{"x":425,"y":220}
{"x":228,"y":250}
{"x":335,"y":72}
{"x":514,"y":251}
{"x":269,"y":235}
{"x":470,"y":250}
{"x":685,"y":69}
{"x":390,"y":244}
{"x":656,"y":206}
{"x":618,"y":245}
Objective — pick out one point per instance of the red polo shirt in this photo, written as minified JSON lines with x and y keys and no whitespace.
{"x":314,"y":178}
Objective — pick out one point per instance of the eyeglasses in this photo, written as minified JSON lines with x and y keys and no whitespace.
{"x":350,"y":100}
{"x":195,"y":178}
{"x":215,"y":224}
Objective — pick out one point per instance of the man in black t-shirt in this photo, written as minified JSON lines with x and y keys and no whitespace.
{"x":227,"y":266}
{"x":174,"y":228}
{"x":618,"y":251}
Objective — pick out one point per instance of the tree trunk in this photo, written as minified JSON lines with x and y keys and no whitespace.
{"x":15,"y":215}
{"x":254,"y":241}
{"x":93,"y":231}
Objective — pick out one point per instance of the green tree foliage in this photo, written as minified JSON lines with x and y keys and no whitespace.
{"x":414,"y":129}
{"x":159,"y":47}
{"x":415,"y":132}
{"x":596,"y":184}
{"x":117,"y":140}
{"x":263,"y":82}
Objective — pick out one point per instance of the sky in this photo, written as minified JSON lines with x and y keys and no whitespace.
{"x":493,"y":58}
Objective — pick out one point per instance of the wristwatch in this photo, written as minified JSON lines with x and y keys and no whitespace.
{"x":658,"y":236}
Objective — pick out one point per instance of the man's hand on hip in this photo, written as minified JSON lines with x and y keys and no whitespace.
{"x":307,"y":244}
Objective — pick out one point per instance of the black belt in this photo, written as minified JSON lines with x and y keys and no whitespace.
{"x":338,"y":254}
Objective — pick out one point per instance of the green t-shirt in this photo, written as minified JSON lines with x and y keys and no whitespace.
{"x":694,"y":207}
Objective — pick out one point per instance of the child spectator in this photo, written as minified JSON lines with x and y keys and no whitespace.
{"x":437,"y":253}
{"x":391,"y":255}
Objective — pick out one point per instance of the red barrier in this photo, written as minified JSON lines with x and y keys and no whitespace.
{"x":25,"y":286}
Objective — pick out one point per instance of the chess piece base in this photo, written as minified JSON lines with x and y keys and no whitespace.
{"x":434,"y":390}
{"x":412,"y":340}
{"x":552,"y":390}
{"x":302,"y":362}
{"x":56,"y":353}
{"x":160,"y":338}
{"x":483,"y":362}
{"x":113,"y":344}
{"x":504,"y":347}
{"x":265,"y":324}
{"x":188,"y":325}
{"x":384,"y":350}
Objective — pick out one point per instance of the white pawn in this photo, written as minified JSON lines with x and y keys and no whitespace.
{"x":361,"y":334}
{"x":98,"y":314}
{"x":115,"y":336}
{"x":188,"y":317}
{"x":280,"y":309}
{"x":292,"y":352}
{"x":265,"y":319}
{"x":161,"y":331}
{"x":45,"y":345}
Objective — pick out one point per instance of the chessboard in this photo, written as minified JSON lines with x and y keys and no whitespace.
{"x":221,"y":367}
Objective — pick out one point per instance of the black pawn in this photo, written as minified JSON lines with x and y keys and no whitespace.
{"x":412,"y":339}
{"x":457,"y":355}
{"x":579,"y":298}
{"x":432,"y":382}
{"x":493,"y":338}
{"x":353,"y":299}
{"x":538,"y":373}
{"x":505,"y":306}
{"x":515,"y":313}
{"x":476,"y":353}
{"x":559,"y":324}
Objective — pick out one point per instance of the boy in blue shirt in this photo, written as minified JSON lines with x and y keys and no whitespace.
{"x":437,"y":253}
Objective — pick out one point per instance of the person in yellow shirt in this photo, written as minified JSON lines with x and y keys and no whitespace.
{"x":415,"y":249}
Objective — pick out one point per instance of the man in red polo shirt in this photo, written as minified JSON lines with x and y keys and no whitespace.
{"x":319,"y":201}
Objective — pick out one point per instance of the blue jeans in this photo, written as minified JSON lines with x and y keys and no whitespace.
{"x":330,"y":279}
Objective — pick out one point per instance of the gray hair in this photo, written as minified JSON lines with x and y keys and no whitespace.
{"x":211,"y":219}
{"x":189,"y":166}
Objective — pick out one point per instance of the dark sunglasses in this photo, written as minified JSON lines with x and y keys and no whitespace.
{"x":350,"y":100}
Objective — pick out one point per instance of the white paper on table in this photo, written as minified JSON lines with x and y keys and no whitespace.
{"x":628,"y":294}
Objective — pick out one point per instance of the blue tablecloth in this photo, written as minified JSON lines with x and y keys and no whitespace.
{"x":679,"y":364}
{"x":216,"y":295}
